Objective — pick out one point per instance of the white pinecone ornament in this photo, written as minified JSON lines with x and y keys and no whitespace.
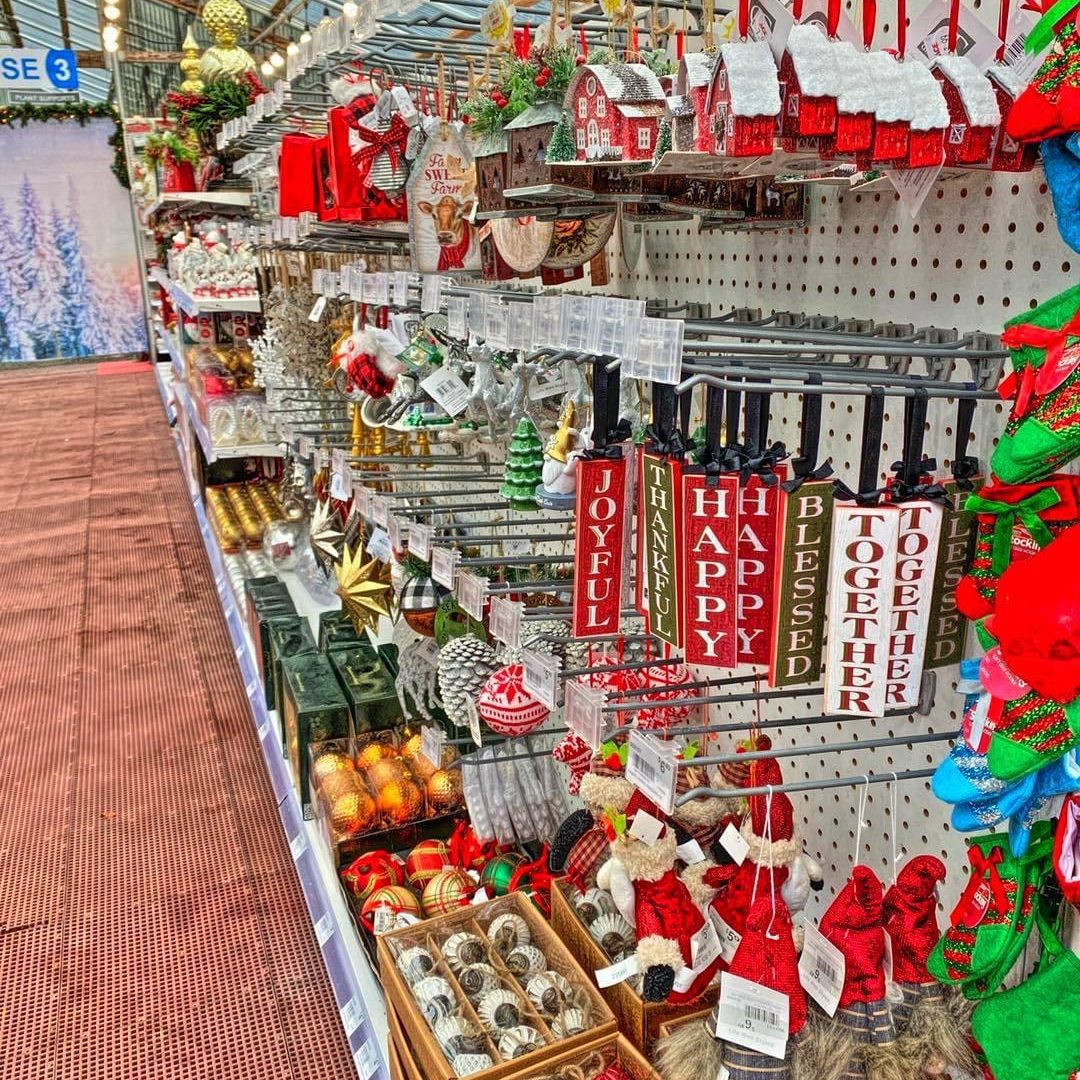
{"x":464,"y":666}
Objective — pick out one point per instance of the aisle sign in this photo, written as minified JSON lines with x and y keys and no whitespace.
{"x":38,"y":69}
{"x":598,"y":546}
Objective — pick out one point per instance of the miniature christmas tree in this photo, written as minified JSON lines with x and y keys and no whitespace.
{"x":663,"y":141}
{"x":524,"y":467}
{"x":561,"y":145}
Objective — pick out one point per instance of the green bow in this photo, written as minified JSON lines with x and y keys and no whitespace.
{"x":611,"y":747}
{"x":1042,"y":33}
{"x":1027,"y":510}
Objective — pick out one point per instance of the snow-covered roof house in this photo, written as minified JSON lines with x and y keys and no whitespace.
{"x":855,"y":102}
{"x":929,"y":119}
{"x":744,"y":100}
{"x":809,"y":84}
{"x":692,"y":84}
{"x":974,"y":115}
{"x":616,"y":111}
{"x":892,"y":109}
{"x":1008,"y":154}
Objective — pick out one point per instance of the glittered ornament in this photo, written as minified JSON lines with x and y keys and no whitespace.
{"x":340,"y":783}
{"x":364,"y":588}
{"x":352,"y":813}
{"x":394,"y":897}
{"x":444,"y":789}
{"x":453,"y":621}
{"x":496,"y":875}
{"x":448,"y":889}
{"x":428,"y":858}
{"x":329,"y":761}
{"x":401,"y":801}
{"x":326,"y":535}
{"x":506,"y":706}
{"x":373,"y":870}
{"x":419,"y":603}
{"x":386,"y":772}
{"x":373,"y":753}
{"x":464,"y":667}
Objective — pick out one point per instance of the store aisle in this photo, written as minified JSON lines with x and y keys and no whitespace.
{"x":151,"y":924}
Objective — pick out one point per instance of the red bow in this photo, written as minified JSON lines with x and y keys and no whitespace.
{"x":984,"y":869}
{"x":391,"y":142}
{"x":1056,"y":367}
{"x":538,"y":879}
{"x":584,"y":857}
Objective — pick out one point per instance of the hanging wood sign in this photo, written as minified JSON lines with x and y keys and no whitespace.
{"x":661,"y":550}
{"x":947,"y":633}
{"x":442,"y":197}
{"x":710,"y":521}
{"x":864,"y":545}
{"x":802,"y":574}
{"x":759,"y":520}
{"x":598,"y":546}
{"x":916,"y":560}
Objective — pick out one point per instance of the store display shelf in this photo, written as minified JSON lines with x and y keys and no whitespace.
{"x":356,"y":990}
{"x":175,"y":348}
{"x":220,"y":453}
{"x":198,"y":199}
{"x":191,"y":305}
{"x":164,"y":376}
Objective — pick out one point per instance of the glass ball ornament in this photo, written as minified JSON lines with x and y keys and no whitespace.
{"x":373,"y":753}
{"x":395,"y":897}
{"x":352,"y":814}
{"x":498,"y":872}
{"x":401,"y":801}
{"x":387,"y":771}
{"x":444,"y":789}
{"x":282,"y":542}
{"x":373,"y":870}
{"x":449,"y":889}
{"x":330,"y":761}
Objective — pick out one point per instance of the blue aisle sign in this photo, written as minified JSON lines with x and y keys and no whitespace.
{"x":38,"y":69}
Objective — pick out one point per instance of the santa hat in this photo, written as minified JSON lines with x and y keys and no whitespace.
{"x":769,"y":827}
{"x":643,"y":804}
{"x":909,"y":914}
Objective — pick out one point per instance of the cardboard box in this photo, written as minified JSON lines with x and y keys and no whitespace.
{"x":336,"y":631}
{"x":639,"y":1019}
{"x":368,"y":687}
{"x":289,"y":635}
{"x":427,"y":1054}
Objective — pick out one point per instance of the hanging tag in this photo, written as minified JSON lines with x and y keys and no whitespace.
{"x":379,"y":511}
{"x":864,"y":540}
{"x":303,"y":447}
{"x":362,"y":501}
{"x":469,"y":591}
{"x":917,"y":548}
{"x":710,"y":539}
{"x":802,"y":573}
{"x":617,"y":973}
{"x":733,"y":843}
{"x":431,"y":293}
{"x":887,"y":960}
{"x":393,"y":528}
{"x":456,"y":318}
{"x":341,"y":479}
{"x":472,"y":718}
{"x":547,"y":383}
{"x":659,"y":545}
{"x":655,"y":353}
{"x":431,"y":744}
{"x":978,"y":727}
{"x":704,"y":946}
{"x":723,"y":1074}
{"x":495,"y":323}
{"x":428,"y":651}
{"x":756,"y":605}
{"x":650,"y":765}
{"x":384,"y":920}
{"x":400,"y":289}
{"x":504,"y":621}
{"x":647,"y":829}
{"x":729,"y":937}
{"x":420,"y":537}
{"x":443,"y":562}
{"x":690,"y":852}
{"x":753,"y":1016}
{"x":821,"y":968}
{"x":584,"y":712}
{"x":447,"y":390}
{"x":913,"y":185}
{"x":540,"y":676}
{"x":598,"y":546}
{"x":378,"y":547}
{"x":480,"y":897}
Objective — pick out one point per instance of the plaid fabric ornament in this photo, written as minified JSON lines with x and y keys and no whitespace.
{"x":428,"y":858}
{"x":448,"y":889}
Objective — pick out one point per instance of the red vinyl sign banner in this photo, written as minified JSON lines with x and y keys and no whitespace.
{"x":759,"y":531}
{"x":710,"y":541}
{"x":598,"y":547}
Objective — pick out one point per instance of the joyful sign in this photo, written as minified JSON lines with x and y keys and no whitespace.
{"x":598,"y":547}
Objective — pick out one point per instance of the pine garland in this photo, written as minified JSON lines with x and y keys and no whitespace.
{"x":162,"y":143}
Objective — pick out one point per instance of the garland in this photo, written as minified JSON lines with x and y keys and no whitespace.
{"x":81,"y":112}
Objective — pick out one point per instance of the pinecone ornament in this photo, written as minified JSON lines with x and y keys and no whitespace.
{"x":533,"y":637}
{"x":464,"y":666}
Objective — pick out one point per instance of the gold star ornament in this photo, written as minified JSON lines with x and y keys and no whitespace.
{"x":326,"y":535}
{"x":364,"y":588}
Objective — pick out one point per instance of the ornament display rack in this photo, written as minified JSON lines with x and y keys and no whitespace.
{"x":188,"y":201}
{"x":191,"y":305}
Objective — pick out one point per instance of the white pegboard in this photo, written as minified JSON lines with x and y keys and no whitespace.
{"x":983,"y":248}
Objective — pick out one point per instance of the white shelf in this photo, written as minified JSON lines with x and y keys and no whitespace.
{"x":198,"y":199}
{"x":214,"y":453}
{"x":192,"y":305}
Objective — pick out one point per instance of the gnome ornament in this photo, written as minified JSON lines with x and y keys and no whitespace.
{"x":646,"y":889}
{"x":580,"y":846}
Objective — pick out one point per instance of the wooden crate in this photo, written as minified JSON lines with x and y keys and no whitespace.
{"x":417,"y":1036}
{"x":639,"y":1020}
{"x":399,"y":1048}
{"x":397,"y":1066}
{"x":670,"y":1026}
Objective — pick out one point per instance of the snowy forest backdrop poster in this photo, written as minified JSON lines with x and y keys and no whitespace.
{"x":68,"y":273}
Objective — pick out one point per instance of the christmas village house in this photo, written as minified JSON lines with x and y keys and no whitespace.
{"x":892,"y":114}
{"x":929,"y":116}
{"x":688,"y":109}
{"x":491,"y":173}
{"x":855,"y":101}
{"x":1008,"y":155}
{"x":744,"y":100}
{"x":529,"y":174}
{"x":974,"y":115}
{"x":809,"y":84}
{"x":616,"y":111}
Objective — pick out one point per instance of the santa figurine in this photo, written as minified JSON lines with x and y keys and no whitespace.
{"x":649,"y":894}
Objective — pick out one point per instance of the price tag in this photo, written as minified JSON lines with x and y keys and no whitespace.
{"x":609,"y":326}
{"x":363,"y":501}
{"x":496,"y":323}
{"x":393,"y":528}
{"x":475,"y":313}
{"x":480,"y":897}
{"x":400,"y":289}
{"x":584,"y":713}
{"x":431,"y":293}
{"x":470,"y":590}
{"x":428,"y":651}
{"x":576,"y":314}
{"x":519,"y":326}
{"x":504,"y":621}
{"x":366,"y":1060}
{"x":324,"y":929}
{"x":380,"y":289}
{"x":317,"y":309}
{"x":655,"y":350}
{"x":650,"y":765}
{"x":647,"y":829}
{"x":420,"y":541}
{"x":729,"y":937}
{"x":540,"y":676}
{"x":303,"y":447}
{"x":704,"y":946}
{"x":913,"y":185}
{"x":352,"y":1016}
{"x":753,"y":1016}
{"x":341,"y":480}
{"x":821,"y":968}
{"x":547,"y":321}
{"x":431,"y":744}
{"x":443,"y":561}
{"x":298,"y":845}
{"x":625,"y":969}
{"x":512,"y":546}
{"x":379,"y":511}
{"x":723,"y":1074}
{"x":384,"y":920}
{"x":318,"y":284}
{"x":690,"y":852}
{"x":473,"y":719}
{"x":378,"y":547}
{"x":447,"y":390}
{"x":733,"y":843}
{"x":455,"y":318}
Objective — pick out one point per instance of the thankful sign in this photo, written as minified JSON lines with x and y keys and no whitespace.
{"x":598,"y":546}
{"x":658,"y":546}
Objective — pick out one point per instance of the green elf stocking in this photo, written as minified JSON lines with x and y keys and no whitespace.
{"x":1050,"y":104}
{"x":1032,"y":732}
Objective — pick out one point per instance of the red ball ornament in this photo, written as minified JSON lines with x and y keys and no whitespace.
{"x":395,"y":897}
{"x":425,"y":861}
{"x":505,"y":705}
{"x":580,"y":59}
{"x":449,"y":889}
{"x":545,"y":72}
{"x":538,"y":81}
{"x":373,"y":870}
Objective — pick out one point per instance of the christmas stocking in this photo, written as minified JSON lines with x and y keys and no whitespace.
{"x":1061,"y":161}
{"x":1032,"y":732}
{"x":1050,"y":105}
{"x":1067,"y":849}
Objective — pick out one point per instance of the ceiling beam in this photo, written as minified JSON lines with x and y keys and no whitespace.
{"x":65,"y":29}
{"x":13,"y":27}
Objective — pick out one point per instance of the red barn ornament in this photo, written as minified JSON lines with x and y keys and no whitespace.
{"x":616,"y":111}
{"x":1008,"y":155}
{"x":929,"y":116}
{"x":892,"y":111}
{"x":692,"y":130}
{"x":856,"y":99}
{"x":744,"y":100}
{"x":974,"y":116}
{"x":809,"y":83}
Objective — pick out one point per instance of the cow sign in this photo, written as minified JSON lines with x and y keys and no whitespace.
{"x":442,"y":198}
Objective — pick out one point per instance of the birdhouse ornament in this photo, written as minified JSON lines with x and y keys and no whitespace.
{"x":616,"y":111}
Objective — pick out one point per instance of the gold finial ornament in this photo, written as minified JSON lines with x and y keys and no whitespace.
{"x":565,"y":438}
{"x":190,"y":65}
{"x":226,"y":22}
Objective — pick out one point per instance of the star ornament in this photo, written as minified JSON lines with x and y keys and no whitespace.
{"x":326,"y":535}
{"x":364,"y":588}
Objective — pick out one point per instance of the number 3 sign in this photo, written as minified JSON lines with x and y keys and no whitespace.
{"x":38,"y":69}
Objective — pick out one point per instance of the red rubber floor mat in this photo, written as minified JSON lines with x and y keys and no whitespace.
{"x":151,"y":922}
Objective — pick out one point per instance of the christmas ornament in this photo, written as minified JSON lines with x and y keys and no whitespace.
{"x":400,"y":801}
{"x":416,"y":681}
{"x":427,"y":859}
{"x":1048,"y":107}
{"x":352,"y":813}
{"x":448,"y":889}
{"x":506,"y":707}
{"x":226,"y":22}
{"x":452,"y":621}
{"x":1061,"y":162}
{"x":374,"y":752}
{"x":387,"y":771}
{"x":396,"y":898}
{"x":1067,"y":849}
{"x":444,"y":790}
{"x":364,"y":588}
{"x":576,"y":755}
{"x":558,"y":485}
{"x":373,"y":870}
{"x":329,"y":761}
{"x":524,"y":467}
{"x":496,"y":875}
{"x":464,"y":666}
{"x":1031,"y":733}
{"x":338,"y":784}
{"x":420,"y":600}
{"x":325,"y":535}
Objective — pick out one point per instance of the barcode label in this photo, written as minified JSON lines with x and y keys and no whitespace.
{"x":821,"y":968}
{"x":650,"y":765}
{"x":745,"y":1015}
{"x":752,"y":1016}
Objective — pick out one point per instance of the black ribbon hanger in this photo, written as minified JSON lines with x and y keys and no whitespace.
{"x":805,"y":466}
{"x":965,"y":467}
{"x":761,"y":459}
{"x":914,"y":473}
{"x":605,"y":392}
{"x":711,"y":456}
{"x":868,"y":493}
{"x":662,"y":437}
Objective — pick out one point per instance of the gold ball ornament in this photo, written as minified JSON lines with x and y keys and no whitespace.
{"x":328,"y":762}
{"x":395,"y":897}
{"x":352,"y":813}
{"x":386,"y":772}
{"x":373,"y":753}
{"x":340,"y":783}
{"x":401,"y":801}
{"x":449,"y":889}
{"x":444,"y":789}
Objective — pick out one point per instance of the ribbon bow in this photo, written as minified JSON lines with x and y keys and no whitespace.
{"x":593,"y":454}
{"x":538,"y":878}
{"x":899,"y":492}
{"x":1006,"y":514}
{"x":864,"y":498}
{"x":391,"y":142}
{"x":804,"y":473}
{"x":673,"y":446}
{"x":984,"y":868}
{"x":1056,"y":366}
{"x":763,"y":465}
{"x":964,"y":470}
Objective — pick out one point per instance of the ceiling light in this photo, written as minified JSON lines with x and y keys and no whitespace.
{"x":276,"y":59}
{"x":267,"y":68}
{"x":349,"y":9}
{"x":111,"y":12}
{"x":110,"y":37}
{"x":292,"y":48}
{"x":305,"y":37}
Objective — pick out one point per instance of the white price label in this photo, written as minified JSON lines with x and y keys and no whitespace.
{"x":913,"y":185}
{"x":380,"y":289}
{"x":447,"y":391}
{"x":378,"y":547}
{"x":647,"y":829}
{"x":650,"y":765}
{"x":472,"y":716}
{"x":469,"y":591}
{"x":303,"y":447}
{"x":431,"y":293}
{"x":456,"y":318}
{"x":728,"y":936}
{"x":317,"y":309}
{"x":690,"y":852}
{"x":585,"y":712}
{"x":363,"y":501}
{"x":887,"y":959}
{"x":625,"y":969}
{"x":298,"y":845}
{"x":540,"y":675}
{"x":393,"y":529}
{"x":513,"y":546}
{"x":495,"y":323}
{"x":384,"y":920}
{"x":428,"y":651}
{"x":420,"y":537}
{"x":505,"y":621}
{"x":821,"y":968}
{"x":705,"y":947}
{"x":731,"y":840}
{"x":352,"y":1016}
{"x":443,"y":561}
{"x":431,"y":744}
{"x":723,"y":1074}
{"x":341,"y":480}
{"x":379,"y":510}
{"x":753,"y":1016}
{"x":324,"y":929}
{"x":366,"y":1060}
{"x":480,"y":897}
{"x":400,"y":289}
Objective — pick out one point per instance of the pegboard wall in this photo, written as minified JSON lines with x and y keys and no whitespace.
{"x":983,"y":248}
